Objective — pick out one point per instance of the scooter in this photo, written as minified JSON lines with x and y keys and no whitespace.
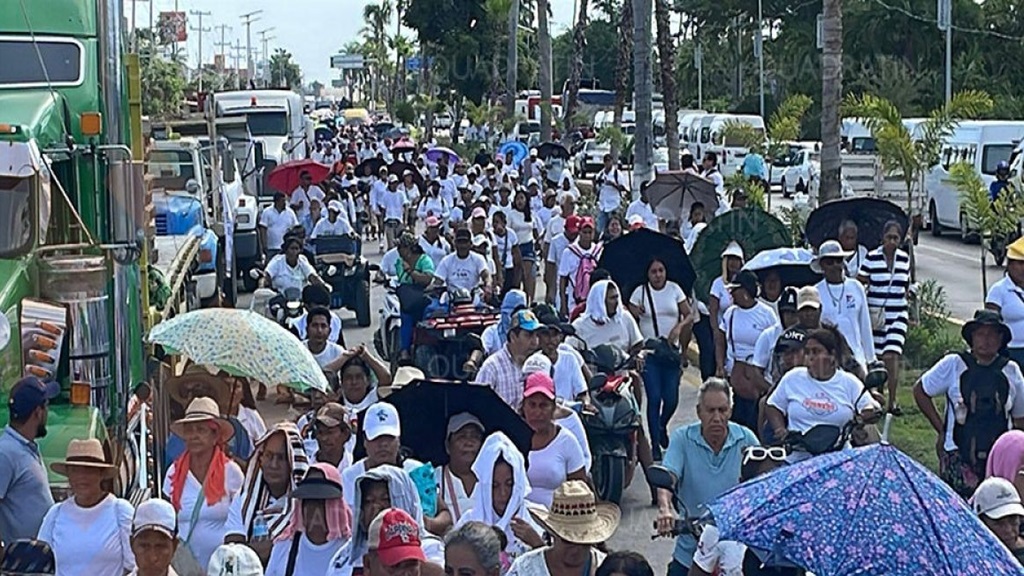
{"x":613,"y":427}
{"x":661,"y":477}
{"x":385,"y":337}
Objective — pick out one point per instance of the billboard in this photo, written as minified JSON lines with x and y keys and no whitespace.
{"x":172,"y":27}
{"x":348,"y":61}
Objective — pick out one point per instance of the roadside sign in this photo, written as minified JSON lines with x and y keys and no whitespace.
{"x":338,"y":83}
{"x":348,"y":61}
{"x":415,"y":63}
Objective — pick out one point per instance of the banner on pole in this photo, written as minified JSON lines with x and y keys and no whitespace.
{"x":172,"y":27}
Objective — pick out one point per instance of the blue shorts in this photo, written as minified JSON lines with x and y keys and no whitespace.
{"x":527,"y":252}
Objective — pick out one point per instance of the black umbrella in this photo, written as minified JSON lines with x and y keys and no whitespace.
{"x":628,"y":256}
{"x":369,"y":167}
{"x":424,"y":408}
{"x":672,"y":193}
{"x":870,"y":215}
{"x":552,"y":150}
{"x":398,"y":168}
{"x":322,"y":133}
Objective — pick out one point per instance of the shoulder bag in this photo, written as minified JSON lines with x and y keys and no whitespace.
{"x":664,"y":351}
{"x":877,"y":313}
{"x":184,"y":561}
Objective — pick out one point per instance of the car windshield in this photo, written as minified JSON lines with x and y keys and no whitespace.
{"x":170,"y":169}
{"x":15,"y":214}
{"x":992,"y":155}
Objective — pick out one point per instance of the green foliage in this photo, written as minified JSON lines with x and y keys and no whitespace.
{"x":784,"y":124}
{"x":745,"y":135}
{"x":795,"y":220}
{"x":284,"y":73}
{"x":739,"y":181}
{"x":999,"y":218}
{"x":163,"y":81}
{"x":405,"y":113}
{"x":931,"y":337}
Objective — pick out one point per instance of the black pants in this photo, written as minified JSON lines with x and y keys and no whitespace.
{"x":706,"y":345}
{"x":677,"y":569}
{"x":744,"y":412}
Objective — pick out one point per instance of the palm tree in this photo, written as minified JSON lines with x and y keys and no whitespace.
{"x":622,"y":66}
{"x":643,"y":88}
{"x":510,"y":9}
{"x":376,"y":17}
{"x":579,"y":43}
{"x":403,"y":48}
{"x":544,"y":45}
{"x":831,"y":98}
{"x":667,"y":60}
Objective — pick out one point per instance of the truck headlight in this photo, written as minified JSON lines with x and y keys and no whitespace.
{"x":242,"y":218}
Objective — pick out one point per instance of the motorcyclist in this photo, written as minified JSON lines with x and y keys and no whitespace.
{"x":291,"y":269}
{"x":1001,"y":182}
{"x":334,"y":224}
{"x":464,"y":269}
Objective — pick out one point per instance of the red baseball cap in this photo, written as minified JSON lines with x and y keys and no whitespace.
{"x":572,"y":223}
{"x":395,"y":537}
{"x":539,"y":383}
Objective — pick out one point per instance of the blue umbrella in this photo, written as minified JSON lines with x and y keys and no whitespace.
{"x":435,"y":153}
{"x":871,"y":510}
{"x":518,"y":149}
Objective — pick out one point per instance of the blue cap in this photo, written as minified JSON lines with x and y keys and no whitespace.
{"x":28,"y":394}
{"x":525,"y":320}
{"x":28,"y":557}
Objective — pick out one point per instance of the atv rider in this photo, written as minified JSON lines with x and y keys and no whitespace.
{"x":1001,"y":182}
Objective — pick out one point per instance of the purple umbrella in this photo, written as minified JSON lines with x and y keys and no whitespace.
{"x":434,"y":155}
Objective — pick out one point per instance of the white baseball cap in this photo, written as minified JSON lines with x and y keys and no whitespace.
{"x":235,"y":559}
{"x":155,"y":514}
{"x":532,"y":182}
{"x":381,"y":420}
{"x":996,"y":498}
{"x":335,"y":206}
{"x":537,"y":362}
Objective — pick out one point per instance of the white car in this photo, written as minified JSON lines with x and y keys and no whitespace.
{"x":443,"y":120}
{"x":804,"y":166}
{"x":590,"y":160}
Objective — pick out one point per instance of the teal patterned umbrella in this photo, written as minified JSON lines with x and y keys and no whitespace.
{"x":241,"y":343}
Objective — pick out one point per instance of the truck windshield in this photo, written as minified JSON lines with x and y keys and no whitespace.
{"x":15,"y":214}
{"x":267,"y":123}
{"x":61,"y":63}
{"x":171,"y":169}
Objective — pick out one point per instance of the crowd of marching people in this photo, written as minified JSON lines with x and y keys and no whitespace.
{"x":788,"y":375}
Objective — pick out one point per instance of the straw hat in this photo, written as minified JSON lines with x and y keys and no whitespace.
{"x":197,"y":374}
{"x":84,"y":454}
{"x":403,"y":377}
{"x":204,"y":410}
{"x":576,"y":517}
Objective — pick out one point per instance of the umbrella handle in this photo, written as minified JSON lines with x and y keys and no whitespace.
{"x":885,"y":428}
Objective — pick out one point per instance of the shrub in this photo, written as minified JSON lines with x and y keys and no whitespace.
{"x":930,"y":334}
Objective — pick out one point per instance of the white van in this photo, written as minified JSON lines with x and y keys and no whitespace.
{"x":692,"y":127}
{"x":981,"y":143}
{"x":685,"y":120}
{"x":730,"y":154}
{"x":856,"y":137}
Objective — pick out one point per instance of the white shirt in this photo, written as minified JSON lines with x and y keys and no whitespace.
{"x":555,"y":226}
{"x":437,"y":251}
{"x":943,"y":379}
{"x":377,"y":190}
{"x":253,"y":423}
{"x":90,"y":541}
{"x":283,"y":276}
{"x":764,"y":350}
{"x":300,"y":196}
{"x":393,"y":204}
{"x":277,"y":224}
{"x":300,"y":326}
{"x":556,"y":247}
{"x":856,"y":261}
{"x":448,"y":191}
{"x":524,"y":230}
{"x":551,"y":465}
{"x":330,"y":353}
{"x":608,"y":195}
{"x":533,"y":563}
{"x":621,"y":331}
{"x":574,"y":425}
{"x":412,"y":193}
{"x":568,"y":376}
{"x":434,"y":206}
{"x":324,"y":227}
{"x":644,"y":210}
{"x":715,"y":556}
{"x":742,"y":327}
{"x":846,"y":306}
{"x":666,"y":307}
{"x":567,"y":265}
{"x":453,"y":492}
{"x":211,"y":526}
{"x":724,"y":296}
{"x":309,"y":558}
{"x":236,"y":522}
{"x":463,"y":273}
{"x":504,"y":245}
{"x":1010,"y":299}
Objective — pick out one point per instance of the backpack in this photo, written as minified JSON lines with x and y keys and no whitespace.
{"x":985,"y":391}
{"x":588,"y":263}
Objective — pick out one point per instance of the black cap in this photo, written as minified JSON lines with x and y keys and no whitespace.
{"x":787,"y":301}
{"x":463,"y":234}
{"x":791,"y":340}
{"x":745,"y":279}
{"x":28,"y":394}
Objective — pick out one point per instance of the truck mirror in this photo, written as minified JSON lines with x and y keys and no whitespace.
{"x":228,"y":167}
{"x":192,"y":186}
{"x":257,"y":151}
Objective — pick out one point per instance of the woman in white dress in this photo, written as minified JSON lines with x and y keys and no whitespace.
{"x":203,"y":481}
{"x":90,"y":532}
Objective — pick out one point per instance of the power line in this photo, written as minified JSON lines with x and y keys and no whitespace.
{"x":976,"y":31}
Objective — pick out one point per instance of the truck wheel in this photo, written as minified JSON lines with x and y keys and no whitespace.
{"x":362,"y":302}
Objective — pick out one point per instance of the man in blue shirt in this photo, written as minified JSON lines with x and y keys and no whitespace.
{"x":24,"y":486}
{"x":706,"y":457}
{"x":754,"y":166}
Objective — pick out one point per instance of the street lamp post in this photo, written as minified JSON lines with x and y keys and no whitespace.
{"x":759,"y":47}
{"x":201,"y":31}
{"x":249,"y":18}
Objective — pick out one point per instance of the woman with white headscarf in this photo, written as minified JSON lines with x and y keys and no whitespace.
{"x":500,"y":497}
{"x":376,"y":490}
{"x":605,"y":320}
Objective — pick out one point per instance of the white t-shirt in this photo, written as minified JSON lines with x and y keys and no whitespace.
{"x":463,"y":273}
{"x":330,"y":353}
{"x":556,"y":247}
{"x":253,"y":423}
{"x":434,"y":206}
{"x":1010,"y":299}
{"x":435,"y":251}
{"x":211,"y":526}
{"x":621,"y":331}
{"x":504,"y":245}
{"x":567,"y":266}
{"x":555,"y":226}
{"x":574,"y":425}
{"x":666,"y":305}
{"x":644,"y":210}
{"x":300,"y":324}
{"x":340,"y":227}
{"x":715,"y":556}
{"x":855,"y":262}
{"x":807,"y":402}
{"x":943,"y":379}
{"x":304,"y":197}
{"x":393,"y":204}
{"x":742,"y":327}
{"x":309,"y":559}
{"x":277,"y":224}
{"x":846,"y":307}
{"x":608,"y":195}
{"x":524,"y":230}
{"x":533,"y":563}
{"x":724,"y":296}
{"x":551,"y":465}
{"x":568,"y":376}
{"x":90,"y":541}
{"x":451,"y":489}
{"x":283,"y":276}
{"x":236,"y":522}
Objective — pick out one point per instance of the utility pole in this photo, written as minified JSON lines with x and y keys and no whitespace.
{"x":248,"y":19}
{"x":220,"y":45}
{"x":236,"y":52}
{"x":759,"y":52}
{"x":201,"y":31}
{"x":945,"y":22}
{"x":266,"y":59}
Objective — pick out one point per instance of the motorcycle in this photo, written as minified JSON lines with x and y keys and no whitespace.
{"x":661,"y":477}
{"x":385,"y":337}
{"x":282,"y":307}
{"x":613,"y":426}
{"x":338,"y":261}
{"x":447,"y":339}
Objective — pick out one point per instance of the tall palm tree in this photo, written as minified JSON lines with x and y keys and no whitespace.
{"x":510,"y":8}
{"x":544,"y":46}
{"x":376,"y":18}
{"x":622,"y":66}
{"x":667,"y":60}
{"x":643,"y":89}
{"x":831,"y":99}
{"x":579,"y":44}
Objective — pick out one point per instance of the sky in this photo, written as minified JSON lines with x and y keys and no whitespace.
{"x":312,"y":30}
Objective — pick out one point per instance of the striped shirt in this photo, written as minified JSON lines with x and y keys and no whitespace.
{"x":500,"y":372}
{"x":887,"y":286}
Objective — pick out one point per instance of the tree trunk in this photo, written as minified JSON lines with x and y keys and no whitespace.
{"x":512,"y":60}
{"x":643,"y":89}
{"x":544,"y":46}
{"x":622,"y":68}
{"x":667,"y":58}
{"x":579,"y":44}
{"x":396,"y":93}
{"x":831,"y":96}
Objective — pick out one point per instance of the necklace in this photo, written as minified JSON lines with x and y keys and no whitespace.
{"x":835,"y":299}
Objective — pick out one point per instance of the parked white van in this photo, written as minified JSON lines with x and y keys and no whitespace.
{"x":981,"y":143}
{"x":730,"y":154}
{"x":687,"y":138}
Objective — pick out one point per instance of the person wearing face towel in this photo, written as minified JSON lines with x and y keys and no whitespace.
{"x":501,"y":500}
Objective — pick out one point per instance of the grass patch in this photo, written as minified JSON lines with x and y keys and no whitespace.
{"x":911,"y":432}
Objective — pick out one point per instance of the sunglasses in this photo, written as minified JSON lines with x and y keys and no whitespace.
{"x":761,"y":453}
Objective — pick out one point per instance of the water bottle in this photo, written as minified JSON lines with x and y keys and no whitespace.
{"x":260,"y":531}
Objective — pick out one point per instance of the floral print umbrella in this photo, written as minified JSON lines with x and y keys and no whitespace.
{"x":869,"y":511}
{"x":241,"y":343}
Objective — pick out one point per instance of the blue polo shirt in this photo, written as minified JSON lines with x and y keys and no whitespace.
{"x":703,"y":474}
{"x":24,"y":487}
{"x":754,"y":166}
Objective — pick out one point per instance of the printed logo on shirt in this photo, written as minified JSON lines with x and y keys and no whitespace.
{"x":851,"y":302}
{"x":820,"y":405}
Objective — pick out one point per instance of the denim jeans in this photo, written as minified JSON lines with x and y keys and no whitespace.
{"x":602,"y":223}
{"x":661,"y":381}
{"x":408,"y":327}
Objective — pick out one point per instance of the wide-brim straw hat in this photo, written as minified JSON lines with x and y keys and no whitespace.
{"x":576,"y":517}
{"x":176,"y":385}
{"x":204,"y":410}
{"x":84,"y":454}
{"x":403,"y":377}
